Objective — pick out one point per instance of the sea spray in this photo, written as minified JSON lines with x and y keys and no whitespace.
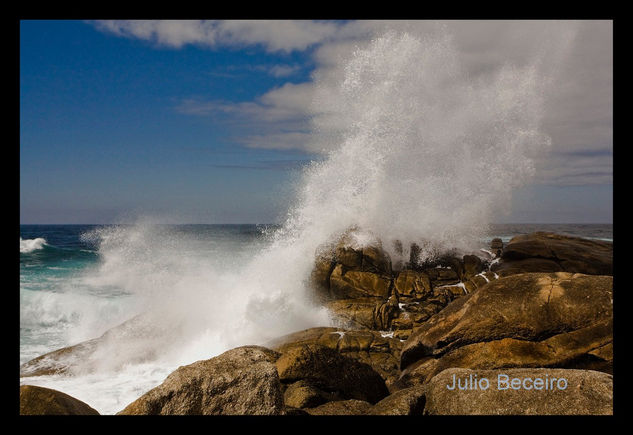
{"x":426,"y":156}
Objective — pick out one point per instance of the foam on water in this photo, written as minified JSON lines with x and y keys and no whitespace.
{"x":426,"y":157}
{"x":30,"y":245}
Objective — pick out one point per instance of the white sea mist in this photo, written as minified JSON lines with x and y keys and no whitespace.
{"x":423,"y":156}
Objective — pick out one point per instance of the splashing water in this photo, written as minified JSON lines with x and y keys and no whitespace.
{"x":428,"y":156}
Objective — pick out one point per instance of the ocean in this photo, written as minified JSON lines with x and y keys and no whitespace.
{"x":78,"y":281}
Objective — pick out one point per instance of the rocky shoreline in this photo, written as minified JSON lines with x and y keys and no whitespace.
{"x":539,"y":308}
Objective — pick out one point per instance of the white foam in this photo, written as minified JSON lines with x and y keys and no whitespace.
{"x":30,"y":245}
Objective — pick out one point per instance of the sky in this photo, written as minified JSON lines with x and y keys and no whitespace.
{"x":212,"y":121}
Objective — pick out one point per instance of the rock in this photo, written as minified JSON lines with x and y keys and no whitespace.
{"x":294,"y":411}
{"x":354,"y":313}
{"x":409,"y":401}
{"x":303,"y":395}
{"x":587,"y":348}
{"x":240,"y":381}
{"x":349,"y":257}
{"x":356,"y":284}
{"x":342,"y":407}
{"x":376,"y":260}
{"x":60,"y":361}
{"x":472,"y":266}
{"x":45,"y":401}
{"x":570,"y":254}
{"x":496,"y":243}
{"x":410,"y":283}
{"x":320,"y":276}
{"x":136,"y":340}
{"x":586,"y":393}
{"x":380,"y":352}
{"x":330,"y":371}
{"x":442,"y":276}
{"x":528,"y":265}
{"x":479,"y":280}
{"x":531,"y":306}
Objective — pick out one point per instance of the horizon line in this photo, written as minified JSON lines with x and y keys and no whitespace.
{"x":277,"y":223}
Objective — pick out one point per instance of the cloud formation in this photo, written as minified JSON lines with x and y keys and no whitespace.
{"x":574,"y":59}
{"x":273,"y":35}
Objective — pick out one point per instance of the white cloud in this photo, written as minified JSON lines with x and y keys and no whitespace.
{"x":274,"y":35}
{"x":575,"y":60}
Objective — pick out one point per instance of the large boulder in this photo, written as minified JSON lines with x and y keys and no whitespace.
{"x":531,"y":307}
{"x":550,"y":252}
{"x":374,"y":348}
{"x":241,"y":381}
{"x":409,"y":401}
{"x":517,"y":392}
{"x":328,"y":370}
{"x":45,"y":401}
{"x":587,"y":348}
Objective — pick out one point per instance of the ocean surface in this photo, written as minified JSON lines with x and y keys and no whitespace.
{"x":78,"y":281}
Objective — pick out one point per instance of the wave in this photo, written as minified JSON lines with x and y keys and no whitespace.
{"x":29,"y":245}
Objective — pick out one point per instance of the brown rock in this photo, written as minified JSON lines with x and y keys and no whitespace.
{"x":375,"y":260}
{"x":356,"y":284}
{"x":320,"y":277}
{"x":241,"y":381}
{"x":370,"y":347}
{"x":531,"y":306}
{"x":349,"y":257}
{"x":409,"y":401}
{"x":587,"y":348}
{"x":45,"y":401}
{"x":303,"y":395}
{"x":330,"y":371}
{"x":496,"y":243}
{"x":410,"y":283}
{"x":571,"y":254}
{"x":472,"y":266}
{"x":342,"y":407}
{"x":586,"y":393}
{"x":354,"y":313}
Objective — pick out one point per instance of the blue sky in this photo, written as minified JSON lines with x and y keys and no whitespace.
{"x":196,"y":125}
